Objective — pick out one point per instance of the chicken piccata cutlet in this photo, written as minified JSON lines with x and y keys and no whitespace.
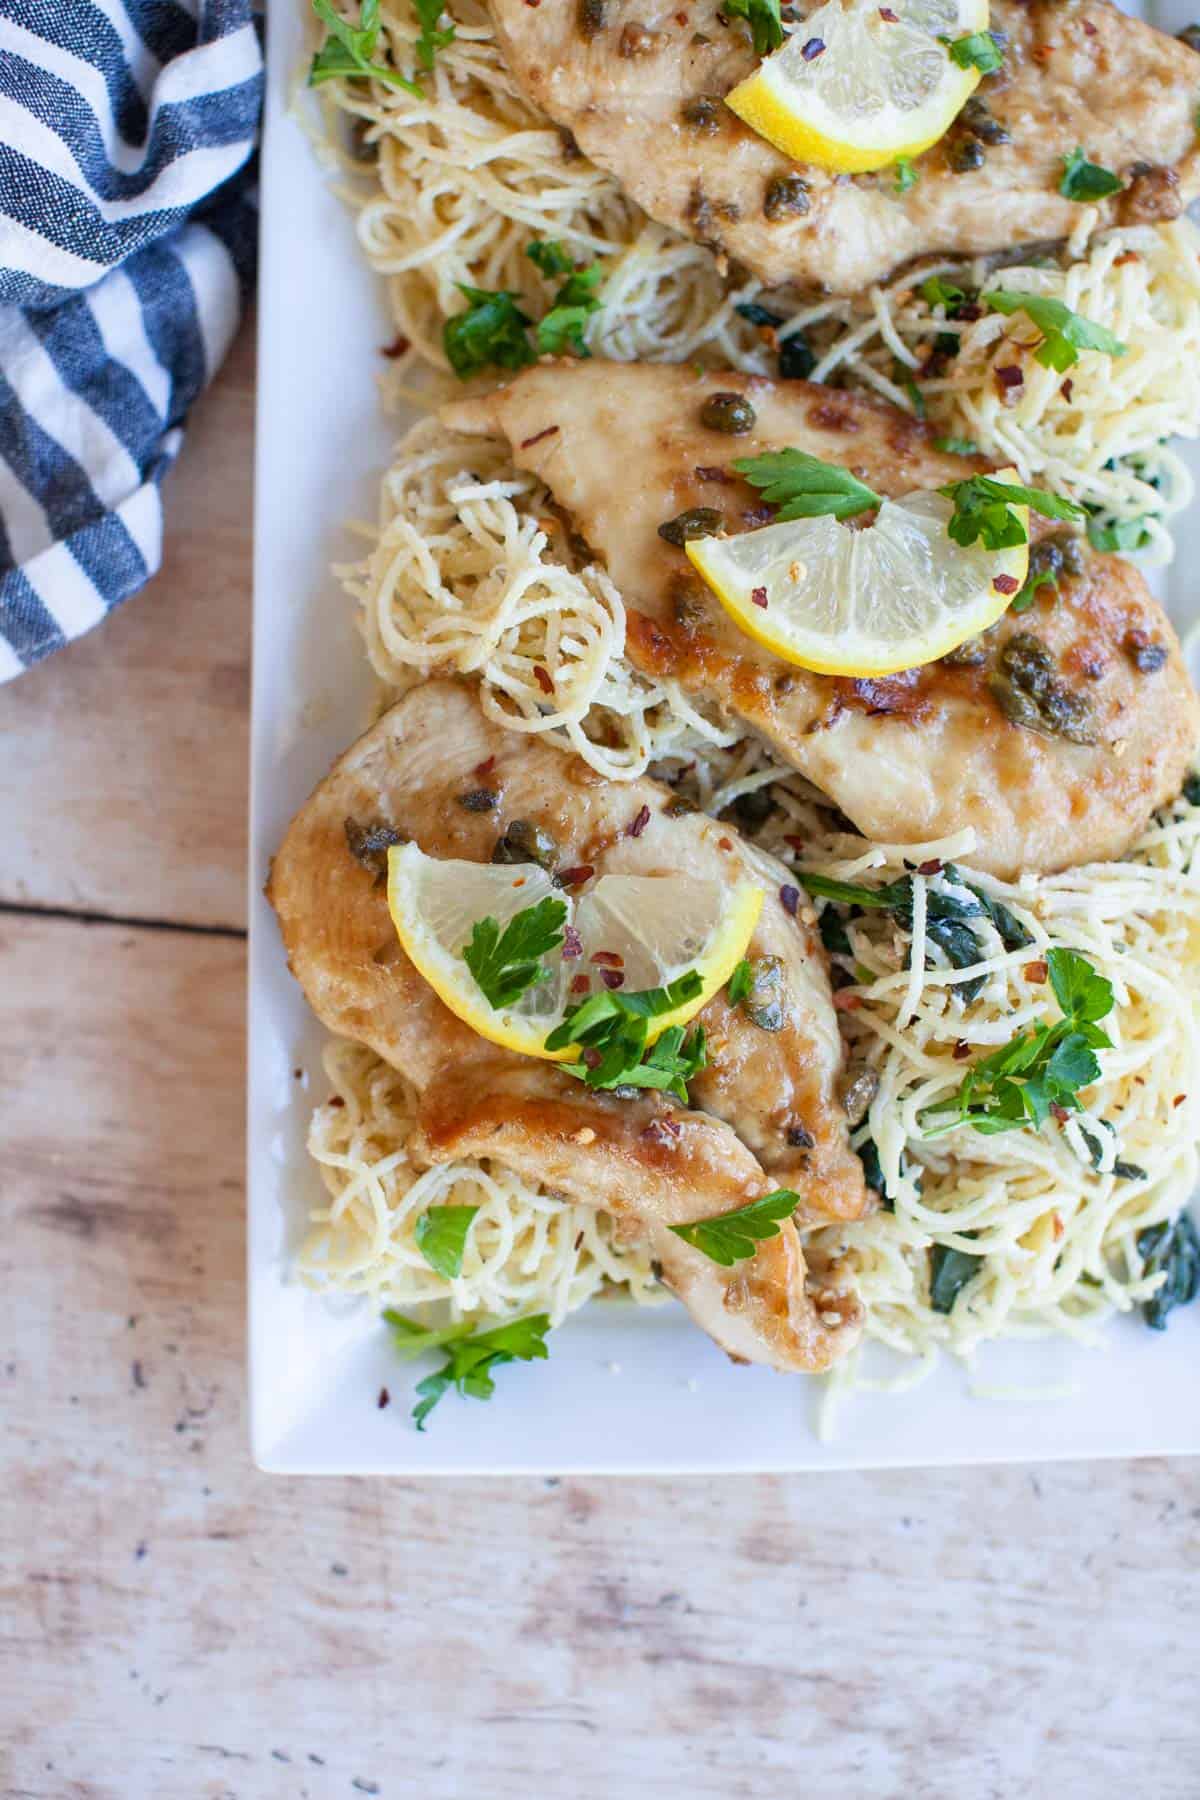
{"x":763,"y":1115}
{"x":640,"y":84}
{"x":908,"y":757}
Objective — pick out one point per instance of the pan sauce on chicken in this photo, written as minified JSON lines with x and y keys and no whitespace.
{"x":640,"y":90}
{"x":908,"y":757}
{"x":764,"y":1115}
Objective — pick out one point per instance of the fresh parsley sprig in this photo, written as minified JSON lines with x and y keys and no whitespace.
{"x":561,"y":331}
{"x":1044,"y":1067}
{"x":978,"y":50}
{"x":507,"y":963}
{"x":431,"y":39}
{"x":1087,"y":181}
{"x":441,"y":1234}
{"x":983,"y":511}
{"x":731,"y":1237}
{"x":494,"y":329}
{"x":904,"y":174}
{"x":349,"y":50}
{"x":1064,"y":333}
{"x":763,"y":18}
{"x":803,"y":487}
{"x":612,"y":1028}
{"x":471,"y":1355}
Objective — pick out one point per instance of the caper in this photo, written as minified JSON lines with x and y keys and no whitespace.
{"x":859,"y":1095}
{"x":369,"y":845}
{"x":593,"y":16}
{"x":478,"y":799}
{"x":1148,"y":655}
{"x":1018,"y":707}
{"x":1026,"y":659}
{"x":1029,"y":693}
{"x":697,"y":522}
{"x":1190,"y":35}
{"x":637,"y":40}
{"x":796,"y":359}
{"x":1045,"y":561}
{"x":966,"y":154}
{"x":679,"y":807}
{"x":764,"y":1003}
{"x":730,"y":413}
{"x":968,"y":655}
{"x":525,"y":842}
{"x":750,"y":811}
{"x":786,"y":197}
{"x":981,"y":122}
{"x":701,"y":115}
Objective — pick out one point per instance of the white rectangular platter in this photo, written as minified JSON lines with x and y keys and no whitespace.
{"x":624,"y":1390}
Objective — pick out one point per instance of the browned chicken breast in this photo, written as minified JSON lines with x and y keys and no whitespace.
{"x":764,"y":1115}
{"x":640,"y":84}
{"x":907,"y":757}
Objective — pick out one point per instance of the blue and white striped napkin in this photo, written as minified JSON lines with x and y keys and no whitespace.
{"x":127,"y":243}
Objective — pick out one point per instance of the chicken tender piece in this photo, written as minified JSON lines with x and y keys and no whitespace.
{"x":764,"y":1116}
{"x":907,"y":757}
{"x":642,"y":97}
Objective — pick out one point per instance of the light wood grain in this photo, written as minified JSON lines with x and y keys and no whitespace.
{"x":175,"y":1625}
{"x":123,"y":757}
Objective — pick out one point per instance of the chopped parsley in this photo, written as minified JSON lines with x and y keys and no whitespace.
{"x":1039,"y":1069}
{"x":978,"y":50}
{"x":431,"y":39}
{"x":611,"y":1030}
{"x":1065,"y":333}
{"x":471,"y":1355}
{"x":732,"y":1237}
{"x":507,"y":963}
{"x":740,"y":982}
{"x":551,"y":257}
{"x":905,"y":175}
{"x":1083,"y":180}
{"x":956,"y":446}
{"x":441,"y":1236}
{"x":1173,"y":1250}
{"x":491,"y":333}
{"x":1118,"y":534}
{"x":349,"y":50}
{"x":763,"y":18}
{"x":936,"y":292}
{"x":802,"y":486}
{"x":561,"y":331}
{"x":983,"y":511}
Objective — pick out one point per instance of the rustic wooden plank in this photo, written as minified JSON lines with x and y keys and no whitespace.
{"x":174,"y":1623}
{"x":123,"y":757}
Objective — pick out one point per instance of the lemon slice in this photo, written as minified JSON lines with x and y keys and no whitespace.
{"x":660,"y":926}
{"x":891,"y":596}
{"x":881,"y":87}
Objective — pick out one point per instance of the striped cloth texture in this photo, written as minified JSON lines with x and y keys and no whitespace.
{"x":127,"y":249}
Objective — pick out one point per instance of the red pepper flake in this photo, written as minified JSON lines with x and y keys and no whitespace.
{"x":574,"y":877}
{"x":612,"y":978}
{"x":1009,"y":377}
{"x":543,"y":678}
{"x":396,"y":348}
{"x":1126,"y":256}
{"x":1005,"y":584}
{"x":591,"y":1058}
{"x":1036,"y":971}
{"x":1060,"y":1112}
{"x":538,"y":436}
{"x":795,"y":843}
{"x":1060,"y":1229}
{"x":1179,"y":1100}
{"x":961,"y":1050}
{"x":485,"y":767}
{"x":608,"y":959}
{"x":572,"y":944}
{"x":1089,"y":28}
{"x":758,"y":597}
{"x":335,"y":1100}
{"x":845,"y":1001}
{"x":789,"y":898}
{"x":934,"y":866}
{"x":579,"y":1235}
{"x":812,"y":49}
{"x":581,"y":984}
{"x":709,"y":472}
{"x":724,"y":843}
{"x":885,"y":12}
{"x":1067,"y":389}
{"x":662,"y":1131}
{"x":681,"y":18}
{"x":384,"y":1399}
{"x":640,"y":821}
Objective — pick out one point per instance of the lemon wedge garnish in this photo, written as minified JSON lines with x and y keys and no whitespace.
{"x":890,"y":596}
{"x":880,"y":85}
{"x":659,"y":926}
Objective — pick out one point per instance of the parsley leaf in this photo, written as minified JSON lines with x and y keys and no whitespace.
{"x":731,"y":1237}
{"x":491,"y":331}
{"x":763,"y":19}
{"x":1038,"y":1069}
{"x":561,"y":331}
{"x":740,"y":982}
{"x":551,"y":257}
{"x":802,"y":486}
{"x":1173,"y":1250}
{"x":936,"y":292}
{"x":1066,"y":333}
{"x":983,"y":510}
{"x":471,"y":1354}
{"x":978,"y":50}
{"x":349,"y":49}
{"x":431,"y":39}
{"x":506,"y":963}
{"x":906,"y":176}
{"x":1083,"y":180}
{"x":441,"y":1236}
{"x":611,"y":1030}
{"x":956,"y":446}
{"x":1117,"y":534}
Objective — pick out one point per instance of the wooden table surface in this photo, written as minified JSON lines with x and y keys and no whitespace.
{"x":175,"y":1624}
